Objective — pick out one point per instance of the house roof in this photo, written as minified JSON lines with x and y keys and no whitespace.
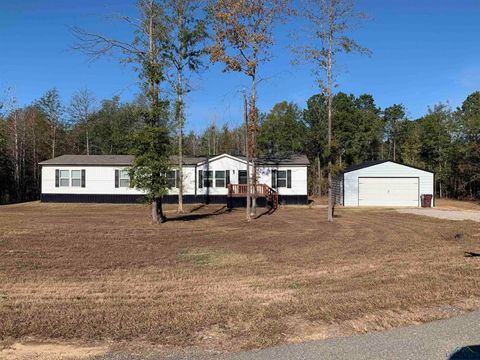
{"x":288,"y":159}
{"x":378,"y":162}
{"x":93,"y":160}
{"x":126,"y":160}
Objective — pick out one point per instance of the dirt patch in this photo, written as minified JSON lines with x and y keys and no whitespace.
{"x":457,"y":215}
{"x":52,"y":351}
{"x":449,"y":204}
{"x":104,"y":273}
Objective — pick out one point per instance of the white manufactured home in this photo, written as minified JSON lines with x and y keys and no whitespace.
{"x":219,"y":179}
{"x":383,"y":183}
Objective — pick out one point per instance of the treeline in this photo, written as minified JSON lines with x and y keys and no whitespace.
{"x":444,"y":140}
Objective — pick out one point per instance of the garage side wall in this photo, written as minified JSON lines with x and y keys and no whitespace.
{"x":388,"y":169}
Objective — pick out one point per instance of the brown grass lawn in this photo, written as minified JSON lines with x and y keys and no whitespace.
{"x":103,"y":272}
{"x":457,"y":205}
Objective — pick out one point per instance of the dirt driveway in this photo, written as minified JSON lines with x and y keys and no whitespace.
{"x":449,"y":210}
{"x":444,"y":214}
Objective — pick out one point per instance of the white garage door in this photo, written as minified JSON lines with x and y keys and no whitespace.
{"x":388,"y":191}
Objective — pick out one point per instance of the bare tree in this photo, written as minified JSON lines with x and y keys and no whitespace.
{"x":183,"y":51}
{"x":330,"y":22}
{"x":243,"y":36}
{"x":53,"y":110}
{"x":82,"y":106}
{"x":145,"y":52}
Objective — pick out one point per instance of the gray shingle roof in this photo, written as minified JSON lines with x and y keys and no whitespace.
{"x":126,"y":160}
{"x":93,"y":160}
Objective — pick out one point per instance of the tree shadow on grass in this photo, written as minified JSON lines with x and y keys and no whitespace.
{"x":471,"y":352}
{"x":471,"y":254}
{"x":191,"y":216}
{"x":268,"y":211}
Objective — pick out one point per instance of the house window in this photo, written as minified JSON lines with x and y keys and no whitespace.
{"x":76,"y":178}
{"x":220,"y":178}
{"x":281,"y":178}
{"x":124,"y":178}
{"x":208,"y":178}
{"x":242,"y":176}
{"x":172,"y":179}
{"x":64,"y":178}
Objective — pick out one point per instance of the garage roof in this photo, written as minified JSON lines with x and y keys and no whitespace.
{"x":378,"y":162}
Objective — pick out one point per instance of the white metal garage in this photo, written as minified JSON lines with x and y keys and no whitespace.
{"x":383,"y":183}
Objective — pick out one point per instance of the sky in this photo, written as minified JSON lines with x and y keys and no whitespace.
{"x":423,"y":52}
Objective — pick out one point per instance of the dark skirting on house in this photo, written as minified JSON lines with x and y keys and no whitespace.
{"x":168,"y":199}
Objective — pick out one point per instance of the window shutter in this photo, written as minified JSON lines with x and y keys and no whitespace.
{"x":116,"y":178}
{"x":200,"y":179}
{"x":289,"y":179}
{"x":274,"y":178}
{"x":57,"y":178}
{"x":83,"y":178}
{"x":227,"y":177}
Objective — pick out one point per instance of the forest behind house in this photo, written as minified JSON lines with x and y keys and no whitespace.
{"x":444,"y":140}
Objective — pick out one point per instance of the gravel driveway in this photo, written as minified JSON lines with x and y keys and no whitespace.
{"x":444,"y":214}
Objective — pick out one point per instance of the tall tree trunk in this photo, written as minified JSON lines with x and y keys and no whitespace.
{"x":87,"y":139}
{"x":394,"y":150}
{"x":329,"y":111}
{"x":180,"y":115}
{"x":245,"y":115}
{"x":157,"y":211}
{"x":54,"y":139}
{"x":16,"y":156}
{"x":34,"y":158}
{"x":319,"y":172}
{"x":180,"y":139}
{"x":23,"y":158}
{"x":253,"y":145}
{"x":154,"y":90}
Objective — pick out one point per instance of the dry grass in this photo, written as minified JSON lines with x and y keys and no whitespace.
{"x":457,"y":204}
{"x":103,"y":272}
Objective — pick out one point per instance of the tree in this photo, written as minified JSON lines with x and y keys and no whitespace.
{"x":330,"y":21}
{"x":243,"y":35}
{"x":467,"y":142}
{"x":469,"y":114}
{"x":281,"y":130}
{"x":82,"y":106}
{"x":183,"y":50}
{"x":315,"y":120}
{"x":145,"y":52}
{"x":436,"y":149}
{"x":409,"y":143}
{"x":51,"y":106}
{"x":148,"y":173}
{"x":112,"y":126}
{"x":393,"y":116}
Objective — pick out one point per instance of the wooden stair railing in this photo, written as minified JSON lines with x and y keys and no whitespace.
{"x":259,"y":190}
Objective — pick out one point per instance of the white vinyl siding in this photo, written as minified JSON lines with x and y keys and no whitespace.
{"x":385,"y":170}
{"x":101,"y":179}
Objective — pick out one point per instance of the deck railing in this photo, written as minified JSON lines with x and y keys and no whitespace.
{"x":258,"y":190}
